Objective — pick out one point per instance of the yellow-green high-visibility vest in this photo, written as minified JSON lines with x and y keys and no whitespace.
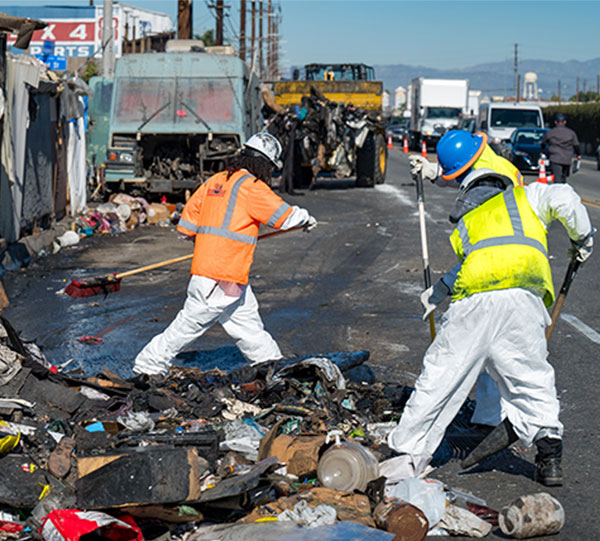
{"x":490,"y":160}
{"x":502,"y":244}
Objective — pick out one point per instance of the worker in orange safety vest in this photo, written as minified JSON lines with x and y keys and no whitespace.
{"x":223,"y":217}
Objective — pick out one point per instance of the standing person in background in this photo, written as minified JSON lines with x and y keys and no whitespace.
{"x":223,"y":217}
{"x":560,"y":144}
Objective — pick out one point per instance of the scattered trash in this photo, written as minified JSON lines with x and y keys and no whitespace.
{"x":71,"y":524}
{"x":459,"y":521}
{"x":289,"y":453}
{"x":309,"y":516}
{"x":532,"y":516}
{"x":425,"y":494}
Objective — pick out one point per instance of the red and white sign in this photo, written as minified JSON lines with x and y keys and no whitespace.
{"x":72,"y":37}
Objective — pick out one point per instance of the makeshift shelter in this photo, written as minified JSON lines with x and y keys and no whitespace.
{"x":42,"y":148}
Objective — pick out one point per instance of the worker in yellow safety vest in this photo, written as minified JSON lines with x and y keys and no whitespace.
{"x":459,"y":152}
{"x":496,"y":320}
{"x":223,"y":217}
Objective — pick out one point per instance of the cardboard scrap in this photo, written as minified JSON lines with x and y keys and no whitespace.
{"x":156,"y":475}
{"x":299,"y":453}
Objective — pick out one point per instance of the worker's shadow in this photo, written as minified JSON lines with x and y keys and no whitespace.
{"x":225,"y":358}
{"x":462,"y":437}
{"x":332,"y":184}
{"x":458,"y":443}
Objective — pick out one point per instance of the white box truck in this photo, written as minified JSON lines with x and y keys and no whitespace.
{"x":436,"y":107}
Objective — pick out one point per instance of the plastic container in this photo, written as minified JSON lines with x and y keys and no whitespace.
{"x":531,"y":516}
{"x":346,"y":466}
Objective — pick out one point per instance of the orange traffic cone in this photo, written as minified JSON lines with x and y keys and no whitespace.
{"x":542,"y":176}
{"x":424,"y":149}
{"x":390,"y":143}
{"x":405,"y":146}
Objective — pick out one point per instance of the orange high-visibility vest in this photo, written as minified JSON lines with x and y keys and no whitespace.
{"x":224,"y":214}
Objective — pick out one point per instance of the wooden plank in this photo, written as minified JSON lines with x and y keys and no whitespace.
{"x":4,"y":302}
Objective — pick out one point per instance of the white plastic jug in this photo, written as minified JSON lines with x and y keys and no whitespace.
{"x":346,"y":465}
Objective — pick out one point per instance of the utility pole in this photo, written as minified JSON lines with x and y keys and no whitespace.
{"x":243,"y":30}
{"x":516,"y":72}
{"x":276,"y":48}
{"x":559,"y":92}
{"x":518,"y":87}
{"x":253,"y":33}
{"x":269,"y":41}
{"x":577,"y":90}
{"x":219,"y":33}
{"x":261,"y":70}
{"x":597,"y":84}
{"x":184,"y":19}
{"x":584,"y":87}
{"x":108,"y":42}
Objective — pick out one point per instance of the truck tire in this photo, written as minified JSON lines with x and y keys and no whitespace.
{"x":371,"y":162}
{"x":301,"y":174}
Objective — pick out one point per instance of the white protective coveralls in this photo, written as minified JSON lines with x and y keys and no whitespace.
{"x":210,"y":301}
{"x":502,"y":331}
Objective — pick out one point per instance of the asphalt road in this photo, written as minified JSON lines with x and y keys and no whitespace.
{"x":352,"y":283}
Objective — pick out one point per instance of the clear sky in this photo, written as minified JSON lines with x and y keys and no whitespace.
{"x":437,"y":34}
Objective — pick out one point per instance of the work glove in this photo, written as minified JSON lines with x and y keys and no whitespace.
{"x":310,"y":224}
{"x":582,"y":250}
{"x":429,"y":170}
{"x":432,"y":296}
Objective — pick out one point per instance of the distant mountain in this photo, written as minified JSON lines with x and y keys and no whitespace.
{"x":498,"y":77}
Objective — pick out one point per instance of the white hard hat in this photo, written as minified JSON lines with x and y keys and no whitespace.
{"x":478,"y":175}
{"x":266,"y":145}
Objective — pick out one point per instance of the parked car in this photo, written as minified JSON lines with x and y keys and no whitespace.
{"x":398,"y":127}
{"x":525,"y":147}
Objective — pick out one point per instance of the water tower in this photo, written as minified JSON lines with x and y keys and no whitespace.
{"x":530,"y":88}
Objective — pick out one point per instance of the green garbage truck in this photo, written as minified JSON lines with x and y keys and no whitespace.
{"x":168,"y":120}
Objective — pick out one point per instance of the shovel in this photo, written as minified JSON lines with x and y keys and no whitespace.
{"x":112,"y":282}
{"x":504,"y":435}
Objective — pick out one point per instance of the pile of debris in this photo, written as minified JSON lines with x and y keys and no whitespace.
{"x":120,"y":213}
{"x":281,"y":451}
{"x":320,"y":132}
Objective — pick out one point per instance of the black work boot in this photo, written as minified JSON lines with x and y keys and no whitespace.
{"x":548,"y":470}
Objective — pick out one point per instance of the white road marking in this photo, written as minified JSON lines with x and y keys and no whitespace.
{"x":400,"y":194}
{"x":397,"y":192}
{"x":574,"y":321}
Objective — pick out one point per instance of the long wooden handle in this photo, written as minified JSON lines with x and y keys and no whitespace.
{"x":424,"y":246}
{"x":560,"y":300}
{"x":571,"y":272}
{"x":154,"y":266}
{"x":186,"y":257}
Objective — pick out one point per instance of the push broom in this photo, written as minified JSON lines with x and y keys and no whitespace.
{"x":88,"y":287}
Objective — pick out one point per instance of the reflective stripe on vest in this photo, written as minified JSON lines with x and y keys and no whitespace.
{"x":233,"y":200}
{"x":278,"y":214}
{"x":517,"y":238}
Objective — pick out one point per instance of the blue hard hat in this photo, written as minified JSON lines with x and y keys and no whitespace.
{"x":458,"y":150}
